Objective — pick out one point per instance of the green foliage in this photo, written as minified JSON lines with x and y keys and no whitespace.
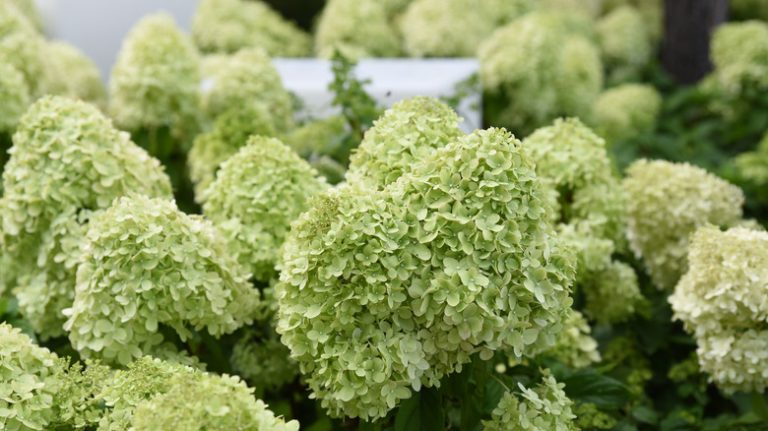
{"x":227,"y":26}
{"x":67,"y":164}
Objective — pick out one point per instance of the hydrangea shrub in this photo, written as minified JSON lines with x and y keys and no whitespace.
{"x":626,"y":111}
{"x":666,"y":203}
{"x":257,"y":193}
{"x":227,"y":26}
{"x":146,"y":265}
{"x":384,"y":291}
{"x":68,"y":163}
{"x":721,"y":301}
{"x":356,"y":28}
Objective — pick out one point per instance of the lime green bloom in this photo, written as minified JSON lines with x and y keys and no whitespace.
{"x":589,"y":208}
{"x":22,"y":47}
{"x":246,"y":80}
{"x":409,"y":131}
{"x":542,"y":67}
{"x":383,"y":291}
{"x":228,"y":26}
{"x":752,"y":166}
{"x":666,"y":203}
{"x":320,"y":142}
{"x":721,"y":302}
{"x":14,"y":93}
{"x":68,"y":163}
{"x":651,"y":10}
{"x":264,"y":361}
{"x":156,"y":78}
{"x":625,"y":43}
{"x":542,"y":407}
{"x":28,"y":8}
{"x":145,"y":265}
{"x":626,"y":111}
{"x":257,"y":193}
{"x":357,"y":28}
{"x":70,"y":73}
{"x":455,"y":28}
{"x":230,"y":132}
{"x":575,"y":346}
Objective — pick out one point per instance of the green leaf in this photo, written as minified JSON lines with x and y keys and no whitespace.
{"x":422,"y":412}
{"x":589,"y":386}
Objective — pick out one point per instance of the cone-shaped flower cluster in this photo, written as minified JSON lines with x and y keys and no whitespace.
{"x":722,"y":302}
{"x":68,"y":162}
{"x":70,"y":73}
{"x":257,"y":194}
{"x":384,"y":290}
{"x":666,"y":203}
{"x":146,"y":265}
{"x":16,"y":98}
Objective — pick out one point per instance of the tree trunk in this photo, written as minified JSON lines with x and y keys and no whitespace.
{"x":688,"y":27}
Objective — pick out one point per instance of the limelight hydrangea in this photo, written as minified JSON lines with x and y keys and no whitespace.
{"x":230,"y":132}
{"x":155,"y":80}
{"x":385,"y":291}
{"x":651,"y":10}
{"x":14,"y":93}
{"x":145,"y":265}
{"x":752,"y":166}
{"x":455,"y":28}
{"x":721,"y":301}
{"x":30,"y":376}
{"x":256,"y":195}
{"x":207,"y":402}
{"x":586,"y":8}
{"x":739,"y":52}
{"x":409,"y":131}
{"x":625,"y":43}
{"x":231,"y":25}
{"x":613,"y":294}
{"x":666,"y":203}
{"x":589,"y":203}
{"x":246,"y":80}
{"x":71,"y":73}
{"x":152,"y":395}
{"x":626,"y":111}
{"x":68,"y":162}
{"x":264,"y":361}
{"x":357,"y":28}
{"x":22,"y":46}
{"x":542,"y":67}
{"x":542,"y":407}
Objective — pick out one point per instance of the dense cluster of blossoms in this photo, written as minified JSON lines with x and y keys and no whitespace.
{"x":227,"y":26}
{"x":358,"y":29}
{"x":626,"y":111}
{"x":625,"y":43}
{"x":16,"y":98}
{"x":71,"y":73}
{"x":257,"y":193}
{"x":544,"y":66}
{"x":588,"y":204}
{"x":545,"y":406}
{"x":409,"y":131}
{"x":739,"y":52}
{"x":455,"y":28}
{"x":752,"y":167}
{"x":652,"y":12}
{"x":230,"y":132}
{"x":721,"y":301}
{"x":384,"y":290}
{"x":575,"y":346}
{"x":145,"y":264}
{"x":68,"y":162}
{"x":155,"y":81}
{"x":21,"y":46}
{"x":666,"y":203}
{"x":246,"y":80}
{"x":151,"y":394}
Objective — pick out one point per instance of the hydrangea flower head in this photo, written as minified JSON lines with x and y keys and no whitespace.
{"x":626,"y":111}
{"x":357,"y":28}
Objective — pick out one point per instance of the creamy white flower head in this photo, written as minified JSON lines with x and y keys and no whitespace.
{"x":722,"y":302}
{"x":666,"y":203}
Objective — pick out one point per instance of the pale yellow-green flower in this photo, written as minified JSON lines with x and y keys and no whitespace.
{"x":666,"y":203}
{"x":626,"y":111}
{"x":721,"y":301}
{"x":68,"y":163}
{"x":14,"y":93}
{"x":70,"y":73}
{"x":358,"y":29}
{"x":625,"y":43}
{"x":230,"y":25}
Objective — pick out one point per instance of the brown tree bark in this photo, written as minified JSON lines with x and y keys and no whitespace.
{"x":688,"y":28}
